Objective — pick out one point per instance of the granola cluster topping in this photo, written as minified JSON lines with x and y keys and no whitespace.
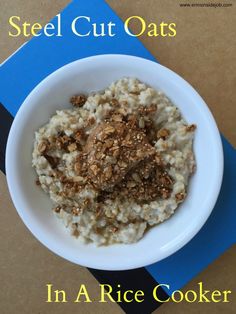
{"x":117,"y":158}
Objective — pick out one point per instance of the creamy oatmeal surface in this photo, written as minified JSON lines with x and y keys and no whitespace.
{"x":116,"y":163}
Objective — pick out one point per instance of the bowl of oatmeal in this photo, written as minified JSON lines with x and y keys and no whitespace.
{"x":108,"y":156}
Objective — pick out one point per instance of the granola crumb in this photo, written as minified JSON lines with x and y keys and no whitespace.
{"x":42,"y":147}
{"x":72,"y":147}
{"x":191,"y":128}
{"x":78,"y":100}
{"x":163,"y":133}
{"x":180,"y":196}
{"x":57,"y":209}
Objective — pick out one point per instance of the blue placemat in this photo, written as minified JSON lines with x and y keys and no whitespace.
{"x":43,"y":55}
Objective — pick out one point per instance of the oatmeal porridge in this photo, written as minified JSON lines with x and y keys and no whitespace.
{"x":117,"y":163}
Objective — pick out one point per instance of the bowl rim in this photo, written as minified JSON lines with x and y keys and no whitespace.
{"x":140,"y":262}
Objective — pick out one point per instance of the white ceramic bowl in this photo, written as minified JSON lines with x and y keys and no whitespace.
{"x":34,"y":206}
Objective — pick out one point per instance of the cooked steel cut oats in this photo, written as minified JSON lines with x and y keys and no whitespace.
{"x":116,"y":163}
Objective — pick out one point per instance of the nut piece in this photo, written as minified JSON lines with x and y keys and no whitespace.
{"x":114,"y":229}
{"x":75,"y":232}
{"x":78,"y":100}
{"x":180,"y":196}
{"x":117,"y":117}
{"x":165,"y":180}
{"x":77,"y":167}
{"x":148,"y":109}
{"x":79,"y":135}
{"x":62,"y":141}
{"x":75,"y":211}
{"x":57,"y":209}
{"x":114,"y":102}
{"x":163,"y":133}
{"x":108,"y":172}
{"x":158,"y":160}
{"x":109,"y":129}
{"x":91,"y":121}
{"x":72,"y":147}
{"x":42,"y":147}
{"x":94,"y":169}
{"x":191,"y":128}
{"x":165,"y":193}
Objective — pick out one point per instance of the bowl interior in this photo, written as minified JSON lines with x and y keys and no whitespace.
{"x":93,"y":74}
